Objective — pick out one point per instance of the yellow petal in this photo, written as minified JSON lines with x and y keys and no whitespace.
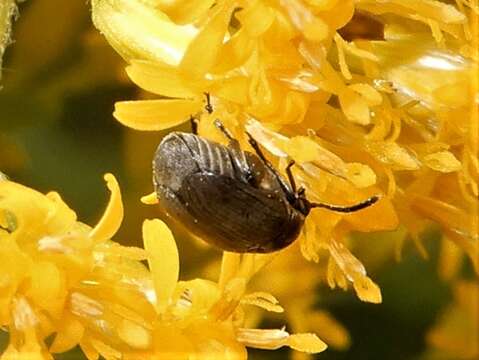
{"x":228,"y":302}
{"x":202,"y":52}
{"x":113,"y":215}
{"x":150,"y":199}
{"x":47,"y":288}
{"x":69,"y":335}
{"x":234,"y":52}
{"x":262,"y":300}
{"x":252,"y":263}
{"x":234,"y":89}
{"x":338,"y":15}
{"x":360,"y":175}
{"x":335,"y":276}
{"x":329,"y":329}
{"x":450,"y":259}
{"x":354,"y":107}
{"x":353,"y":49}
{"x":256,"y":19}
{"x":302,"y":149}
{"x":371,"y":95}
{"x":230,"y":264}
{"x":155,"y":114}
{"x":137,"y":30}
{"x":355,"y":272}
{"x":367,"y":290}
{"x":391,"y":153}
{"x":269,"y":339}
{"x":90,"y":352}
{"x":442,"y":161}
{"x":272,"y":339}
{"x":62,"y":218}
{"x":163,"y":260}
{"x":134,"y":334}
{"x":308,"y":343}
{"x":158,"y":78}
{"x":105,"y":350}
{"x":379,"y":217}
{"x":186,"y":11}
{"x":313,"y":27}
{"x":213,"y":341}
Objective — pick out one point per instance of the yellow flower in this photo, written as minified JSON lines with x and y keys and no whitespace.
{"x":45,"y":254}
{"x":295,"y":282}
{"x":60,"y":277}
{"x":397,"y":116}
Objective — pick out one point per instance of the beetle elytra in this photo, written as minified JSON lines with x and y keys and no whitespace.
{"x":233,"y":199}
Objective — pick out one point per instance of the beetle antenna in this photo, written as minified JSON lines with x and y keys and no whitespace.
{"x":208,"y":106}
{"x":346,"y":209}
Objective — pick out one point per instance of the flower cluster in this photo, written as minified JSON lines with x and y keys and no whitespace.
{"x":61,"y":277}
{"x":368,"y":97}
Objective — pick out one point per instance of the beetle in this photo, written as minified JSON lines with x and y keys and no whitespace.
{"x":232,"y":199}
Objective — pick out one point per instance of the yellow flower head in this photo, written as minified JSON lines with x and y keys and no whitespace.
{"x":391,"y":111}
{"x":60,"y":277}
{"x":45,"y":254}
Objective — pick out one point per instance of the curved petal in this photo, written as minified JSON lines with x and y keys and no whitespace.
{"x":271,"y":339}
{"x":150,"y":199}
{"x":163,"y":260}
{"x":187,"y":11}
{"x":203,"y":51}
{"x":113,"y":216}
{"x":137,"y":30}
{"x":367,"y":290}
{"x":159,"y":79}
{"x":70,"y":333}
{"x":154,"y":115}
{"x":263,"y":300}
{"x":308,"y":343}
{"x":230,"y":264}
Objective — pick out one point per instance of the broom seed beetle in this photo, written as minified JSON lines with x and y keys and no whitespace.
{"x":232,"y":199}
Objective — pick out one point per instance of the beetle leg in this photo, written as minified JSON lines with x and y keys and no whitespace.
{"x":292,"y":182}
{"x":222,"y":128}
{"x":194,"y":125}
{"x":208,"y":106}
{"x":346,"y":209}
{"x":289,"y":193}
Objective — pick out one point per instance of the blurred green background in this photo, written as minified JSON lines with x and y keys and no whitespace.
{"x":60,"y":82}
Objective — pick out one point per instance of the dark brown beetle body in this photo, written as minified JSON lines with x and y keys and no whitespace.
{"x":231,"y":198}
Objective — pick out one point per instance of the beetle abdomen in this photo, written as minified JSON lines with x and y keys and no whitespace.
{"x":236,"y":216}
